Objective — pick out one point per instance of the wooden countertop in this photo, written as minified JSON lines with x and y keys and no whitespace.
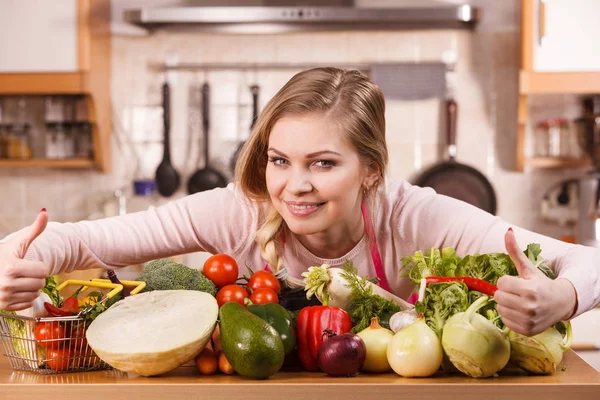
{"x":577,"y":381}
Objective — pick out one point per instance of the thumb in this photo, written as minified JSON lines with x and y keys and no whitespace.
{"x":24,"y":239}
{"x":525,"y":268}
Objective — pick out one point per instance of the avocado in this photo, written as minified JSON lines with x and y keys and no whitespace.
{"x":252,"y":346}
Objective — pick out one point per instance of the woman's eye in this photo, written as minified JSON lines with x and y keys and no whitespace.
{"x":278,"y":160}
{"x":324,"y":163}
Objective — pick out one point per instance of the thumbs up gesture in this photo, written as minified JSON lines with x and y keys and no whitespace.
{"x":21,"y":280}
{"x":531,"y":302}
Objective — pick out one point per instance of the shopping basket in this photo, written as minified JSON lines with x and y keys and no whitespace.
{"x":64,"y":347}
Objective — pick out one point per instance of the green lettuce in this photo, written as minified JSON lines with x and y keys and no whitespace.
{"x":441,"y":301}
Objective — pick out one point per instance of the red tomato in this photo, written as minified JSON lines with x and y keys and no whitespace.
{"x":71,"y":304}
{"x":221,"y":269}
{"x":58,"y":359}
{"x":78,"y":340}
{"x":264,"y":295}
{"x":50,"y":334}
{"x":264,"y":279}
{"x":231,"y":293}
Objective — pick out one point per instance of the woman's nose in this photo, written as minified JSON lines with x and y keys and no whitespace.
{"x":299,"y":182}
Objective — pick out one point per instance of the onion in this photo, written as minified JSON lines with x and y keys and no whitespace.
{"x":376,"y":341}
{"x":415,"y":351}
{"x":341,"y":355}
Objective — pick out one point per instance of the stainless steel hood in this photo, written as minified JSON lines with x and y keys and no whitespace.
{"x":277,"y":18}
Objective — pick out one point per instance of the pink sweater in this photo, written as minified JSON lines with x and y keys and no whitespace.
{"x":406,"y":219}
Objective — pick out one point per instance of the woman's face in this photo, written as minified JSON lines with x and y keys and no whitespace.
{"x":314,"y":177}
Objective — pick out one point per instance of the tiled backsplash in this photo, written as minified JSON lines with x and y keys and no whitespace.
{"x":486,"y":92}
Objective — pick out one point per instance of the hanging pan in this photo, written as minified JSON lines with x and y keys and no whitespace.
{"x":457,"y":180}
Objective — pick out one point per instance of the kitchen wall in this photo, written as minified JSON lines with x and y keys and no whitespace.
{"x":486,"y":92}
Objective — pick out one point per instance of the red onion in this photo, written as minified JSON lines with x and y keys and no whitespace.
{"x":341,"y":355}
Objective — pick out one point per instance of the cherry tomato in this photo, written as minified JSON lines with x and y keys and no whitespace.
{"x":231,"y":293}
{"x":59,"y":359}
{"x":264,"y":279}
{"x":264,"y":295}
{"x":221,"y":269}
{"x":50,"y":334}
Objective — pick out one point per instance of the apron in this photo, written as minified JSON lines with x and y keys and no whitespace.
{"x":375,"y":255}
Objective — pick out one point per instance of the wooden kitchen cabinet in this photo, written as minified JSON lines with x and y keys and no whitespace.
{"x":46,"y":29}
{"x":565,"y":35}
{"x":558,"y":45}
{"x":59,"y":47}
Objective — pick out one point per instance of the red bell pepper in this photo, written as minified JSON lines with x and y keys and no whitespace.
{"x":56,"y":311}
{"x":312,"y":322}
{"x":472,"y":283}
{"x":69,"y":308}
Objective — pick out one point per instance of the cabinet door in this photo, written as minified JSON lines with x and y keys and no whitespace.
{"x":566,"y":35}
{"x":38,"y":36}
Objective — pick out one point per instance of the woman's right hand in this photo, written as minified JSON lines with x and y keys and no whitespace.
{"x":21,"y":280}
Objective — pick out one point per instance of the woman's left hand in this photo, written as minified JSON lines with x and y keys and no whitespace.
{"x":531,"y":302}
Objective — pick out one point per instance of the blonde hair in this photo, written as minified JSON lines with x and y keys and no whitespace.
{"x":347,"y":97}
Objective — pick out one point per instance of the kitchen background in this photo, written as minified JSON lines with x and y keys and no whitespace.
{"x":485,"y":85}
{"x":486,"y":90}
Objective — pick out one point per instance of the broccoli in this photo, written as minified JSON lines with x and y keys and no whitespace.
{"x":169,"y":275}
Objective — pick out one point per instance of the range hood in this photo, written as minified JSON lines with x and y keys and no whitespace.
{"x":274,"y":16}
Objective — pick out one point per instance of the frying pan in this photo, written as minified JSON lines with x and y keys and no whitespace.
{"x":254,"y":89}
{"x":457,"y":180}
{"x":167,"y":177}
{"x":207,"y":178}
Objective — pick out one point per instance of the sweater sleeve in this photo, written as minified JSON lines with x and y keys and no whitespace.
{"x":216,"y":221}
{"x":427,"y":220}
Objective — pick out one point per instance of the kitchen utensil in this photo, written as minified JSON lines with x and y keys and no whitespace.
{"x":207,"y":178}
{"x":410,"y":81}
{"x":457,"y":180}
{"x":255,"y":90}
{"x":167,"y":177}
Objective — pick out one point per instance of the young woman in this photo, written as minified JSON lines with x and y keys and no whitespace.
{"x":309,"y":190}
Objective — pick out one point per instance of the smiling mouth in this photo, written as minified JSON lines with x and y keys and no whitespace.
{"x":304,"y":206}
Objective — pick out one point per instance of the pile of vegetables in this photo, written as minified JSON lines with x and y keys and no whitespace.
{"x":456,"y":312}
{"x":346,"y":325}
{"x":454,"y":325}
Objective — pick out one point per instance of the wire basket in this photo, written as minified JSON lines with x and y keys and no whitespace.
{"x":62,"y":346}
{"x":65,"y":350}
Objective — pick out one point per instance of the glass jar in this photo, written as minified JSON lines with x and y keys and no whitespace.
{"x":55,"y":140}
{"x":555,"y":138}
{"x":54,"y":109}
{"x":68,"y":150}
{"x":83,"y":141}
{"x":18,"y":145}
